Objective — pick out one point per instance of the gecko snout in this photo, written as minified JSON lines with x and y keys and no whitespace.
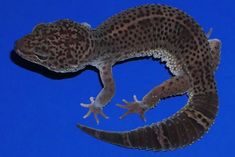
{"x":21,"y":47}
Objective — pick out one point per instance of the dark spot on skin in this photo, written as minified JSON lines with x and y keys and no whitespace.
{"x":204,"y":120}
{"x":126,"y":21}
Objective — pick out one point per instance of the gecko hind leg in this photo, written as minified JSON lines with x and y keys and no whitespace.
{"x":177,"y":85}
{"x":215,"y":45}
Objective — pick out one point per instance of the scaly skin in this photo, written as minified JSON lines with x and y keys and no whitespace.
{"x":151,"y":30}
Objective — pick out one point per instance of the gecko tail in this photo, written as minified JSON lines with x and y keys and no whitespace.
{"x":183,"y":128}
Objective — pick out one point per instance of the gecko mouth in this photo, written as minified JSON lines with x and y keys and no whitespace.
{"x":41,"y":56}
{"x":19,"y":53}
{"x":22,"y":55}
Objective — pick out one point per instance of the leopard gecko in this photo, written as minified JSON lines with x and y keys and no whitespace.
{"x":157,"y":31}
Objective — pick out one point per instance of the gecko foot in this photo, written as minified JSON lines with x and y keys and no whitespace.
{"x":94,"y":109}
{"x":134,"y":107}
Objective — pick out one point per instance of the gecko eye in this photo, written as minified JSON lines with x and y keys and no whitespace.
{"x":38,"y":28}
{"x":42,"y":55}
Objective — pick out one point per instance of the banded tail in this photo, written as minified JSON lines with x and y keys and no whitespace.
{"x":182,"y":129}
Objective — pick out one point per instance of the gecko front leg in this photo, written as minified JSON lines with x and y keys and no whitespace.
{"x":175,"y":86}
{"x":104,"y":96}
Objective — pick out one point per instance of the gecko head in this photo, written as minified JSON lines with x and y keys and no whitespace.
{"x":61,"y":46}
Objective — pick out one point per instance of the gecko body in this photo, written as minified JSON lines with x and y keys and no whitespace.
{"x":151,"y":30}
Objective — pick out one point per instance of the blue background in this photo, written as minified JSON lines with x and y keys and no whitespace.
{"x":39,"y":109}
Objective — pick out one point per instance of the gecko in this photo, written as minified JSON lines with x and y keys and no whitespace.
{"x":157,"y":31}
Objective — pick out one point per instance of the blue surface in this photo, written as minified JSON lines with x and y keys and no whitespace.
{"x":39,"y":110}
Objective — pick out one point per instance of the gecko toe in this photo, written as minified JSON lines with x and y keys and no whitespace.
{"x":122,"y":106}
{"x":124,"y":115}
{"x":133,"y":107}
{"x":87,"y":114}
{"x":104,"y":115}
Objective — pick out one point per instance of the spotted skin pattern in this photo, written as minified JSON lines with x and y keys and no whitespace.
{"x":158,"y":31}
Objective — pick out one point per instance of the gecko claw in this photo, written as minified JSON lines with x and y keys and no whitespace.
{"x":133,"y":107}
{"x":94,"y":109}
